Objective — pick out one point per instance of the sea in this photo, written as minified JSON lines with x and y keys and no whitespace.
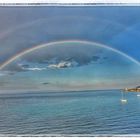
{"x":79,"y":113}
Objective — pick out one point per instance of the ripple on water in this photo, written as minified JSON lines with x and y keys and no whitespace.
{"x":86,"y":113}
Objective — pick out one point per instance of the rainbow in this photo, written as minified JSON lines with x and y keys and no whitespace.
{"x":2,"y":66}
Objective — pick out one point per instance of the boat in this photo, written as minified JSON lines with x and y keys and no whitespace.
{"x":123,"y":100}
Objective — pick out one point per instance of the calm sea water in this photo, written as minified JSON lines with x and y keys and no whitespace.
{"x":72,"y":113}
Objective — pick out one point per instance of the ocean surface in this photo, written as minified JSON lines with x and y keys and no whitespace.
{"x":86,"y":113}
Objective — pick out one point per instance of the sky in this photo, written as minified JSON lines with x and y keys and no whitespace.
{"x":72,"y":65}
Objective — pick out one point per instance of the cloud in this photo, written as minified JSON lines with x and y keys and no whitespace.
{"x":34,"y":69}
{"x":26,"y":66}
{"x":45,"y":83}
{"x":95,"y":58}
{"x":53,"y":62}
{"x":63,"y":64}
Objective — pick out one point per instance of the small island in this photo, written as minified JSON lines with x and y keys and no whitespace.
{"x":136,"y":89}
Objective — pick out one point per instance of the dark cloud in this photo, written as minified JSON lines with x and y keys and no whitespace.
{"x":95,"y":58}
{"x":11,"y":68}
{"x":45,"y":83}
{"x":79,"y":53}
{"x":64,"y":55}
{"x":35,"y":62}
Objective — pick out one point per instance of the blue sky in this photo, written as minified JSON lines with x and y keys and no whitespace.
{"x":22,"y":28}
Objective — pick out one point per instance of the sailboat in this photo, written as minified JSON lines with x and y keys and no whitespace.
{"x":123,"y":100}
{"x":138,"y":95}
